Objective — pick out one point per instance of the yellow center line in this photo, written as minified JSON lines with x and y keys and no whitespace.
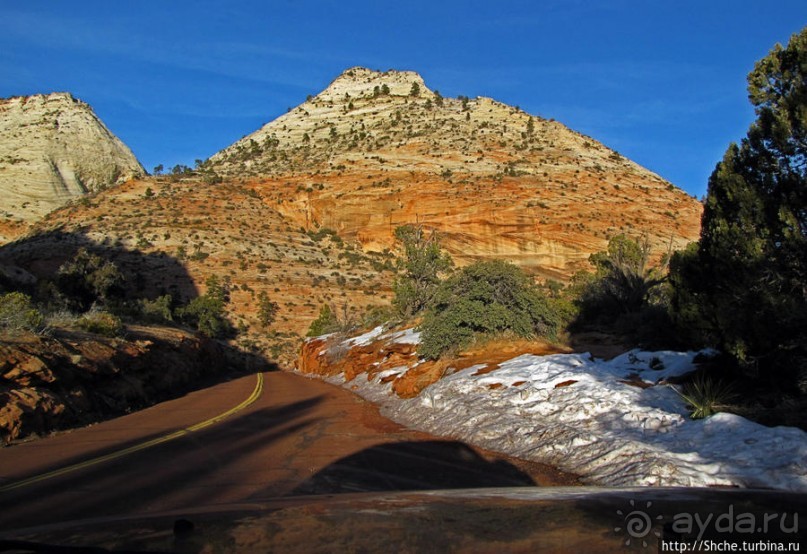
{"x":256,"y":393}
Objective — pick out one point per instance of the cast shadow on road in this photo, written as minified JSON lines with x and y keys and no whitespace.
{"x":413,"y":465}
{"x":199,"y":469}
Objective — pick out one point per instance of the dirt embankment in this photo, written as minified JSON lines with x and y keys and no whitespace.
{"x":73,"y":379}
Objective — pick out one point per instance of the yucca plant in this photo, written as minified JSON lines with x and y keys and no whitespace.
{"x":706,"y":396}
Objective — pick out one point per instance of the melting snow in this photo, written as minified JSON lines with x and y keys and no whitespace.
{"x":367,"y":338}
{"x":577,"y":413}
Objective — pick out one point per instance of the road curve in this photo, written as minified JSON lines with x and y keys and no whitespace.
{"x":245,"y":440}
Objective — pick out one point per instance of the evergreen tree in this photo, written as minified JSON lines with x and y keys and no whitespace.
{"x":423,"y":263}
{"x":267,"y":310}
{"x":744,"y":289}
{"x":207,"y":312}
{"x":438,"y":98}
{"x":485,"y":298}
{"x":325,"y":323}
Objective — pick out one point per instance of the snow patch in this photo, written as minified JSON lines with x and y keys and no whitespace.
{"x":407,"y":336}
{"x":578,"y":413}
{"x":365,"y":339}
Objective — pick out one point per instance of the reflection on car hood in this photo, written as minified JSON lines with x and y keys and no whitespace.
{"x":519,"y":519}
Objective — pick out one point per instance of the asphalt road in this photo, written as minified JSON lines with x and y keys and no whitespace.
{"x":255,"y":438}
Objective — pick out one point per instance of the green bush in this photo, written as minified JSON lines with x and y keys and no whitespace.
{"x":88,"y":278}
{"x":377,"y":315}
{"x":625,"y":295}
{"x":157,"y":310}
{"x":206,"y":313}
{"x":326,"y":322}
{"x":486,"y":298}
{"x":625,"y":281}
{"x":101,"y":323}
{"x":17,"y":313}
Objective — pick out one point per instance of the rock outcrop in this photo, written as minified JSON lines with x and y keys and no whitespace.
{"x":391,"y":357}
{"x":54,"y":148}
{"x":77,"y":378}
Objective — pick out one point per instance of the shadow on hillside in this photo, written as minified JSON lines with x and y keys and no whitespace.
{"x":112,"y":378}
{"x":412,"y":466}
{"x":147,"y":275}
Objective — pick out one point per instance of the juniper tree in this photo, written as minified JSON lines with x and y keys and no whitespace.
{"x":423,"y":262}
{"x":744,"y":287}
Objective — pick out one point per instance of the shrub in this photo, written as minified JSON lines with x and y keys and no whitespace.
{"x":625,"y":279}
{"x":377,"y":315}
{"x":157,"y":310}
{"x":101,"y":323}
{"x":325,"y":323}
{"x":626,"y":294}
{"x":485,"y":298}
{"x":705,"y":396}
{"x":88,"y":278}
{"x":206,"y":313}
{"x":267,"y":310}
{"x":17,"y":313}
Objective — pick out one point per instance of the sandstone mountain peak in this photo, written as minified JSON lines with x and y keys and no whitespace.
{"x":375,"y":150}
{"x":360,"y":82}
{"x":53,"y":147}
{"x":394,"y":114}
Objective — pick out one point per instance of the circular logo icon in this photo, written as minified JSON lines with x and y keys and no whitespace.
{"x":637,"y":524}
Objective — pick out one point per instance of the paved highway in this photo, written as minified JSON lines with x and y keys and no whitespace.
{"x":250,"y":439}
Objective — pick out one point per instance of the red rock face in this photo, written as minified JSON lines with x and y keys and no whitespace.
{"x":331,"y":355}
{"x":495,"y":181}
{"x":75,"y":379}
{"x":328,"y":357}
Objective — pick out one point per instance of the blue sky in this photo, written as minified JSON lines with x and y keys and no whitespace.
{"x":661,"y":82}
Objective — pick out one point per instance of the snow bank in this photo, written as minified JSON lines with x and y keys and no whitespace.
{"x":580,"y":415}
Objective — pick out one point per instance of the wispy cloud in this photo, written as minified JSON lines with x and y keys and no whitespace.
{"x":255,"y":62}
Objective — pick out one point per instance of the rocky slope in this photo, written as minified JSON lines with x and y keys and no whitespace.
{"x":393,"y":359}
{"x":377,"y":150}
{"x":54,"y":148}
{"x":169,"y":236}
{"x":75,"y":378}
